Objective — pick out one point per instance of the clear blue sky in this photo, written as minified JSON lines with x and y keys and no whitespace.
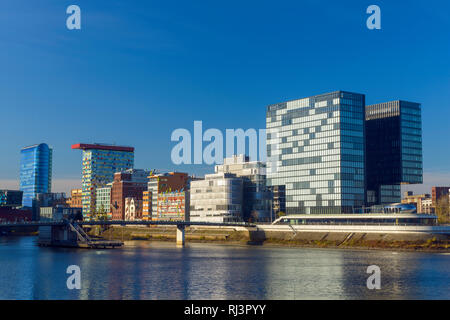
{"x":137,"y":70}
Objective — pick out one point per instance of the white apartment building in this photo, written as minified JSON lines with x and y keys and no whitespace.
{"x":217,"y":198}
{"x":257,"y":197}
{"x":103,"y":199}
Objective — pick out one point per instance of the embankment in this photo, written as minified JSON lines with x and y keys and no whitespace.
{"x":28,"y":231}
{"x":257,"y":236}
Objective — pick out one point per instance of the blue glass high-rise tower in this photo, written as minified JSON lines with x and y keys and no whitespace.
{"x":35,"y":172}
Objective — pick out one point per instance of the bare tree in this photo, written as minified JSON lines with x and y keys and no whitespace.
{"x":281,"y":214}
{"x":443,"y":209}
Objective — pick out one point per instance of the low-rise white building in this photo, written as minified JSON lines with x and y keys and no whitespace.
{"x":133,"y":209}
{"x":103,"y":200}
{"x":217,"y":198}
{"x":256,"y":195}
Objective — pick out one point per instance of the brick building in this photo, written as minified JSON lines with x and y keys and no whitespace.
{"x":438,"y":192}
{"x":127,"y":184}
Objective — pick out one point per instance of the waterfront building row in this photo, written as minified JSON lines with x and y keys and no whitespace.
{"x":328,"y":153}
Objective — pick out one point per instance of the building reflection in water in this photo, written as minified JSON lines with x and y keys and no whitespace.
{"x":404,"y":275}
{"x":160,"y":270}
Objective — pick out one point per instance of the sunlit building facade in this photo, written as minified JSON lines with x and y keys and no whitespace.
{"x":438,"y":192}
{"x":315,"y":148}
{"x":162,"y":183}
{"x":217,"y":198}
{"x":75,"y":200}
{"x":256,"y":196}
{"x":423,"y":202}
{"x":103,"y":200}
{"x":35,"y":172}
{"x":146,"y":205}
{"x":173,"y":206}
{"x":130,"y":183}
{"x":100,"y":162}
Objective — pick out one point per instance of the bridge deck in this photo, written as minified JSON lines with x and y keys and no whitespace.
{"x":123,"y":222}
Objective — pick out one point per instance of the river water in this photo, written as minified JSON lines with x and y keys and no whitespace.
{"x":160,"y":270}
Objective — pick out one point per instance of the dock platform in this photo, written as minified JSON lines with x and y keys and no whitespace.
{"x":72,"y":236}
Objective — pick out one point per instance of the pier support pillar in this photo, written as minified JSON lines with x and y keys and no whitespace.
{"x":180,"y":235}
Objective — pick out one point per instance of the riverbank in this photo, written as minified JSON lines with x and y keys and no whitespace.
{"x":254,"y":236}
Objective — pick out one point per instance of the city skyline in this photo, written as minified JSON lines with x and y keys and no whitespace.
{"x":73,"y":184}
{"x":147,"y":68}
{"x":69,"y":185}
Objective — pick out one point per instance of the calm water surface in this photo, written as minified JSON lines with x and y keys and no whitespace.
{"x":159,"y":270}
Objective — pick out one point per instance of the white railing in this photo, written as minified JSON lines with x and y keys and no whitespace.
{"x":358,"y":228}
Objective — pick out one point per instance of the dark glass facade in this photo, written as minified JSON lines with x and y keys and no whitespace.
{"x":35,"y":172}
{"x":393,"y":148}
{"x":11,"y":198}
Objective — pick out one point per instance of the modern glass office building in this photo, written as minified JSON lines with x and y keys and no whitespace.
{"x":315,"y":148}
{"x":103,"y":200}
{"x":256,"y":198}
{"x":217,"y":198}
{"x":394,"y":149}
{"x":35,"y":172}
{"x":100,"y":162}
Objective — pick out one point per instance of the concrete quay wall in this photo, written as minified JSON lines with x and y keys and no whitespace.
{"x":285,"y":236}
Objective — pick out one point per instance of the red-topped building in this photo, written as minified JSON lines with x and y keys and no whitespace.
{"x":100,"y":163}
{"x":98,"y":146}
